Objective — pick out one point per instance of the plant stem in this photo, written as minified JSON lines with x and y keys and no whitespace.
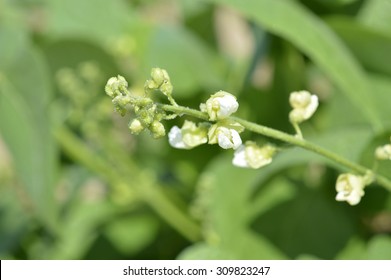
{"x":143,"y":183}
{"x":294,"y":140}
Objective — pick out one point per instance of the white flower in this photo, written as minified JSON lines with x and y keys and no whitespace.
{"x":304,"y":106}
{"x":189,"y":136}
{"x":350,"y":188}
{"x":252,"y":156}
{"x":226,"y":134}
{"x":220,"y":105}
{"x":228,"y":138}
{"x":383,"y":152}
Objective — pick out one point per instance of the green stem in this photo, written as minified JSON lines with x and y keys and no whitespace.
{"x":144,"y":186}
{"x":279,"y":135}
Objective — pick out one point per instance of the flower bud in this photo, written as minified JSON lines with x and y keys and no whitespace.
{"x":304,"y":106}
{"x":252,"y":156}
{"x":157,"y":129}
{"x":159,"y":76}
{"x":116,"y":86}
{"x":136,"y":126}
{"x":160,"y":80}
{"x":189,"y":136}
{"x":383,"y":152}
{"x":350,"y":188}
{"x":220,"y":105}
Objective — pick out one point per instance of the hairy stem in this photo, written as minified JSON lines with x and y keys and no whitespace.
{"x":294,"y":140}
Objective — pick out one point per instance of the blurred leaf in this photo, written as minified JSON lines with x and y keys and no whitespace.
{"x":354,"y":250}
{"x":379,"y":248}
{"x":25,"y":127}
{"x":227,"y":213}
{"x":79,"y":228}
{"x":202,"y":251}
{"x":369,"y":46}
{"x":377,"y":15}
{"x":381,"y":86}
{"x":131,"y":234}
{"x":291,"y":21}
{"x":336,"y":2}
{"x":309,"y":209}
{"x":97,"y":20}
{"x":190,"y":63}
{"x":13,"y":221}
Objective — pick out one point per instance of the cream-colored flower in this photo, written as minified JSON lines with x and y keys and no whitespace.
{"x":226,"y":134}
{"x":251,"y":155}
{"x":350,"y":188}
{"x":383,"y":152}
{"x":220,"y":105}
{"x":189,"y":136}
{"x":304,"y":105}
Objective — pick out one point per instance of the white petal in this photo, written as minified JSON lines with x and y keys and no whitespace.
{"x":224,"y":140}
{"x":175,"y":138}
{"x":228,"y":106}
{"x":354,"y":198}
{"x":240,"y":157}
{"x":311,"y":108}
{"x":340,"y":196}
{"x":237,"y":141}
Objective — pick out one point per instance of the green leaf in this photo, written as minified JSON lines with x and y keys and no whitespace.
{"x":381,"y":86}
{"x":369,"y":46}
{"x":79,"y":229}
{"x":379,"y":248}
{"x":306,"y":223}
{"x":307,"y":32}
{"x":131,"y":234}
{"x":25,"y":127}
{"x":226,"y":213}
{"x":189,"y":62}
{"x":97,"y":20}
{"x":377,"y":15}
{"x":355,"y":249}
{"x":202,"y":251}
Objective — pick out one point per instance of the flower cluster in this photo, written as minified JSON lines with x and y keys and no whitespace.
{"x":148,"y":116}
{"x":224,"y":132}
{"x":222,"y":129}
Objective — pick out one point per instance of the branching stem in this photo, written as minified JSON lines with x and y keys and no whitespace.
{"x":294,"y":140}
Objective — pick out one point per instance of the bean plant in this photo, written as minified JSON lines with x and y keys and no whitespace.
{"x":254,"y":129}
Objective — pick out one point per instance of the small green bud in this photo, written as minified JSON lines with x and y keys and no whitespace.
{"x":157,"y":129}
{"x":167,"y":89}
{"x":159,"y":76}
{"x":136,"y":126}
{"x":116,"y":86}
{"x":160,"y":80}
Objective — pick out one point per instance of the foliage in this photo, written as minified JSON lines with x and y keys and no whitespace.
{"x":75,"y":184}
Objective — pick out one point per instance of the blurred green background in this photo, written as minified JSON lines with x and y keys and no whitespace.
{"x":75,"y":184}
